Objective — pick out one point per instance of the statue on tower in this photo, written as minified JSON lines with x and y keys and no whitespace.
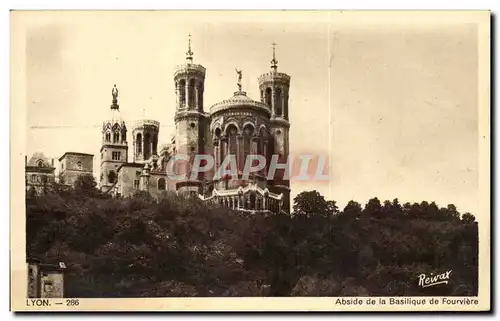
{"x":239,"y":72}
{"x":114,"y":93}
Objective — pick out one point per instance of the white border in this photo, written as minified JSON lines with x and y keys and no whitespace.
{"x":493,"y":5}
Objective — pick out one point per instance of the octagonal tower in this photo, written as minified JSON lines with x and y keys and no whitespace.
{"x":190,"y":119}
{"x":274,"y":90}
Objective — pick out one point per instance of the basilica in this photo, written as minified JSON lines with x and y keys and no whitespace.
{"x":237,"y":126}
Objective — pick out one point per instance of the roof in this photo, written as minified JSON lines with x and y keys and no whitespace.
{"x":36,"y":158}
{"x":51,"y":267}
{"x":239,"y":100}
{"x":75,"y":154}
{"x":137,"y":165}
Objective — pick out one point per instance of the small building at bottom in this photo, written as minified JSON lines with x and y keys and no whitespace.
{"x":45,"y":280}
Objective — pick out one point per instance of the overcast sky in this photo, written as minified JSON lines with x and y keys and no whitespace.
{"x":393,"y":102}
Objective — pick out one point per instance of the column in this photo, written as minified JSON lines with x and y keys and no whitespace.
{"x":285,"y":105}
{"x":216,"y":156}
{"x":134,"y":146}
{"x":186,"y":96}
{"x":255,"y":141}
{"x":282,"y":102}
{"x":200,"y":98}
{"x":177,"y":94}
{"x":266,"y":168}
{"x":273,"y":103}
{"x":196,"y":103}
{"x":225,"y":149}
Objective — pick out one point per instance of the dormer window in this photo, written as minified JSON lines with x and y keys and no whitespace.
{"x":39,"y":163}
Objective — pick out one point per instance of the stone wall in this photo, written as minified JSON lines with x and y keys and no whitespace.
{"x":126,"y":177}
{"x":70,"y":170}
{"x":51,"y":284}
{"x":45,"y":280}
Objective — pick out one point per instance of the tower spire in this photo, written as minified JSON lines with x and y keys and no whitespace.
{"x":189,"y":53}
{"x":274,"y":62}
{"x":114,"y":93}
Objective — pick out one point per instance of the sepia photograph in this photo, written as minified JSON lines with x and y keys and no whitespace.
{"x":177,"y":160}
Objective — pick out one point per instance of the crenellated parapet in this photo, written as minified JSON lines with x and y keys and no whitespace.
{"x":189,"y":70}
{"x":146,"y":123}
{"x":274,"y":76}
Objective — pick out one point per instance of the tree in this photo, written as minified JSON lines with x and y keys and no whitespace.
{"x":468,"y":218}
{"x":373,"y":207}
{"x":353,"y":209}
{"x":313,"y":203}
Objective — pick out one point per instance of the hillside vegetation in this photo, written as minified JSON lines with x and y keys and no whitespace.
{"x":141,"y":247}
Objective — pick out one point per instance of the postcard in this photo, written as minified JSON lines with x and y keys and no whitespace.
{"x":250,"y":160}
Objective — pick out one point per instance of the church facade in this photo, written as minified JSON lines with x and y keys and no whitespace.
{"x":238,"y":126}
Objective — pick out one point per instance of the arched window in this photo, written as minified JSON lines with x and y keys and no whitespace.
{"x":278,"y":104}
{"x":232,"y":134}
{"x":200,"y":96}
{"x":147,"y":146}
{"x":247,"y":143}
{"x":261,"y":147}
{"x":261,"y":96}
{"x":108,"y":136}
{"x":33,"y":178}
{"x":161,"y":184}
{"x":116,"y":137}
{"x":217,"y":132}
{"x":124,"y":134}
{"x":155,"y":144}
{"x":221,"y":145}
{"x":232,"y":140}
{"x":79,"y":165}
{"x":262,"y":138}
{"x":138,"y":144}
{"x":269,"y":96}
{"x":191,"y":93}
{"x":182,"y":93}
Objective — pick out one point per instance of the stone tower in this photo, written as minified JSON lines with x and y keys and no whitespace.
{"x":274,"y":88}
{"x":114,"y":149}
{"x":190,"y":119}
{"x":145,"y":140}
